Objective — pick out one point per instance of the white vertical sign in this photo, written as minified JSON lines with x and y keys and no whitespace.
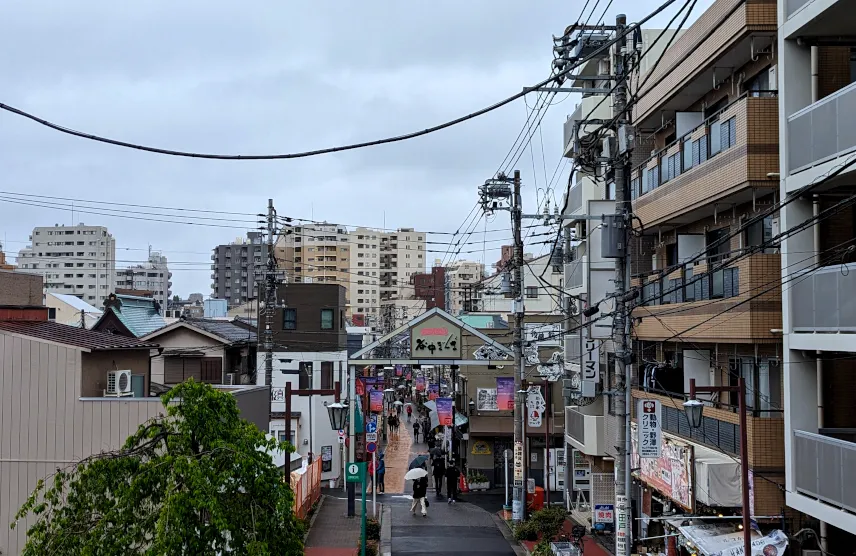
{"x":591,"y":368}
{"x":623,"y":517}
{"x":650,"y":429}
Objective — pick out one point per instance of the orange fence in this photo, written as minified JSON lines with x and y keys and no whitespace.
{"x":306,"y":487}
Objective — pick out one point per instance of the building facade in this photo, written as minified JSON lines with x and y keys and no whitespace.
{"x":816,"y":105}
{"x":315,"y":253}
{"x":76,"y":260}
{"x":364,"y":280}
{"x":152,"y":276}
{"x":431,"y":287}
{"x":461,"y":277}
{"x":234,"y":267}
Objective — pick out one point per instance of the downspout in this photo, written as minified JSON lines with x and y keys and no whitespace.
{"x":815,"y":74}
{"x":815,"y":210}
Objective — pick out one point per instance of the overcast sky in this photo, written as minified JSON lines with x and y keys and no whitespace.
{"x":272,"y":77}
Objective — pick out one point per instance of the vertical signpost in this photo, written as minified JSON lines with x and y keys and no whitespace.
{"x":591,"y":368}
{"x":371,"y":447}
{"x":356,"y":473}
{"x":517,"y":505}
{"x":650,"y":441}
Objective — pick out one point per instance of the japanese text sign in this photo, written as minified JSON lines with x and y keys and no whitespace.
{"x":435,"y":338}
{"x":650,"y":428}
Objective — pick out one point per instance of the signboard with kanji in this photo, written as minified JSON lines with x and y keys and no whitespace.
{"x":518,"y":464}
{"x":650,"y":428}
{"x":435,"y":338}
{"x":590,"y":368}
{"x":604,"y":513}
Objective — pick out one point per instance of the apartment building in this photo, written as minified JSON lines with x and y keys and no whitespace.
{"x":710,"y":298}
{"x":234,"y":267}
{"x":432,"y":287}
{"x":817,"y":105}
{"x":76,"y":260}
{"x":541,"y":285}
{"x":364,"y":280}
{"x":461,"y":277}
{"x":315,"y":253}
{"x":152,"y":276}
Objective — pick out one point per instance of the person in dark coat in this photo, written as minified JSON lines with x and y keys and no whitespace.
{"x":416,"y":432}
{"x":452,"y":475}
{"x":420,"y":489}
{"x":438,"y":470}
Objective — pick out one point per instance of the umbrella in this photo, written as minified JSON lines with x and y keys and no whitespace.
{"x":418,"y":461}
{"x":400,"y":386}
{"x":414,"y":474}
{"x":397,"y":402}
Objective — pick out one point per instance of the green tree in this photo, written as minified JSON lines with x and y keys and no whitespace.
{"x":196,"y":481}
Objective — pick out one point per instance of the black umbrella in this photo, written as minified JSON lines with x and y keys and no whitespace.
{"x":418,"y":461}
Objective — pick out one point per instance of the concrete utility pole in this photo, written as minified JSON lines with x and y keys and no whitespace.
{"x":519,"y":497}
{"x":271,"y":280}
{"x":619,"y":236}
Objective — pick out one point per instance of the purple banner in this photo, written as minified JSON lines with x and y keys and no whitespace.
{"x":373,"y":383}
{"x":444,"y":411}
{"x":433,"y":391}
{"x":420,"y":384}
{"x":399,"y":370}
{"x":376,"y":401}
{"x":505,"y":393}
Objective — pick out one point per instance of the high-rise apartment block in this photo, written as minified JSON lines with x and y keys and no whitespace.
{"x":152,"y":276}
{"x":461,"y":277}
{"x":76,"y":260}
{"x":233,"y":268}
{"x":315,"y":253}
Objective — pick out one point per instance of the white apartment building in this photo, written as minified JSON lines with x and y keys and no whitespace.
{"x":461,"y":276}
{"x":153,"y":276}
{"x":76,"y":260}
{"x":364,"y":279}
{"x":817,"y":151}
{"x":538,"y":297}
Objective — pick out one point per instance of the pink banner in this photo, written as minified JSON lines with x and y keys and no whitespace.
{"x":505,"y":393}
{"x":433,"y":391}
{"x":444,"y":411}
{"x":376,"y":401}
{"x":420,"y":384}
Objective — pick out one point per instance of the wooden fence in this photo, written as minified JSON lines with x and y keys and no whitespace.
{"x":306,"y":487}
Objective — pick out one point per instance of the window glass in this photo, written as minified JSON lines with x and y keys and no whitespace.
{"x":326,"y":319}
{"x":289,"y":319}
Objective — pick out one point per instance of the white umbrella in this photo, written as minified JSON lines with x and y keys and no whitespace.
{"x":397,"y":402}
{"x":416,"y":473}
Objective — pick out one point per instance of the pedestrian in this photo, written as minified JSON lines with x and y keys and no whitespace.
{"x":452,"y":474}
{"x":431,"y":441}
{"x":380,"y":471}
{"x":420,"y":489}
{"x":409,"y":412}
{"x":395,"y":424}
{"x":438,"y":468}
{"x":416,"y":432}
{"x":398,"y":408}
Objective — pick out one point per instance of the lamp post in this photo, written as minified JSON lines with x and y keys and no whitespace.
{"x":472,"y":406}
{"x":694,"y":410}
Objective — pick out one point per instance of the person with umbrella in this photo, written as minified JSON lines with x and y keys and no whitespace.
{"x":420,"y":489}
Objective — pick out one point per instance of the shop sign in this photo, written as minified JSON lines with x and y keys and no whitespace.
{"x":649,"y":414}
{"x":435,"y":338}
{"x":671,"y":473}
{"x":591,"y":368}
{"x":518,"y":464}
{"x":481,"y":448}
{"x":604,"y":513}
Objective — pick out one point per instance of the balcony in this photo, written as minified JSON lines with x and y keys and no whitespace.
{"x":723,"y":160}
{"x":822,"y":132}
{"x":585,"y":432}
{"x":713,"y":306}
{"x":823,"y":301}
{"x":818,"y":18}
{"x":825,"y":469}
{"x":575,"y":276}
{"x":592,"y":107}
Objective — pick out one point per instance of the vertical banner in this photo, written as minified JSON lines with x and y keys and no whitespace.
{"x":650,"y":429}
{"x":433,"y":391}
{"x":623,"y":516}
{"x":444,"y":411}
{"x":591,"y":368}
{"x":376,"y":401}
{"x":399,"y":370}
{"x":361,"y":386}
{"x":408,"y":376}
{"x":505,"y":393}
{"x":420,"y":384}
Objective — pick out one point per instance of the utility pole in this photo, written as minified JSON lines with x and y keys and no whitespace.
{"x":271,"y":280}
{"x":83,"y":318}
{"x":519,"y":497}
{"x":620,"y":223}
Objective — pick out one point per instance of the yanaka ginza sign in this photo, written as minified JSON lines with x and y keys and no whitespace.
{"x":435,"y":338}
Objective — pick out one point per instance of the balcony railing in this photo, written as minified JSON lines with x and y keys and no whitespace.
{"x":793,"y":6}
{"x":587,"y":431}
{"x":825,"y":469}
{"x":824,"y":300}
{"x":575,"y":425}
{"x":575,"y":273}
{"x":822,"y":131}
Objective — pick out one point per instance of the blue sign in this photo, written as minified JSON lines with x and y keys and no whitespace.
{"x":371,"y":426}
{"x":604,"y":513}
{"x":371,"y":447}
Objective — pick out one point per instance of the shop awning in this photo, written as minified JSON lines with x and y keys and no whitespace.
{"x":717,"y":477}
{"x":722,"y":540}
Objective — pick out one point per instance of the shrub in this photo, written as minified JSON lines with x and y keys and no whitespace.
{"x":542,"y":548}
{"x":476,"y":477}
{"x":548,"y":521}
{"x":526,"y":531}
{"x":371,"y":548}
{"x":372,"y":529}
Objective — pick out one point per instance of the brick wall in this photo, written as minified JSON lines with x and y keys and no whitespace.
{"x":19,"y":288}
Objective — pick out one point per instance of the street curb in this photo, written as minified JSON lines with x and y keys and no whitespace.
{"x":386,"y":530}
{"x":314,"y":517}
{"x":503,"y":527}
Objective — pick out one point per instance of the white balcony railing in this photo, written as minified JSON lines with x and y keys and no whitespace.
{"x":585,"y":432}
{"x":824,"y":300}
{"x":825,"y":469}
{"x":822,"y":131}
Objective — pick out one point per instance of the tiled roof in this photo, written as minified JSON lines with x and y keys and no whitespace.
{"x":138,"y":315}
{"x":72,"y":336}
{"x":224,"y":329}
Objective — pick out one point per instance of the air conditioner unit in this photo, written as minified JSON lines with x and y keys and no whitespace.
{"x":118,"y":384}
{"x":231,"y":379}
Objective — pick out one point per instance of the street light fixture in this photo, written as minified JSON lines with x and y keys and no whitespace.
{"x":338,"y":415}
{"x":694,"y":409}
{"x":472,"y":405}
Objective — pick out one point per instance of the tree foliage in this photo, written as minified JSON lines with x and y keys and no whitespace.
{"x":196,"y":481}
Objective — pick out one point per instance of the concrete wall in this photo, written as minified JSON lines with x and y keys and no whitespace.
{"x":97,"y":364}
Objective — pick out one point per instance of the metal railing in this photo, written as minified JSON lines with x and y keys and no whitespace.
{"x":825,"y":469}
{"x":575,"y":425}
{"x":575,"y":199}
{"x":823,"y":130}
{"x":574,"y":271}
{"x":824,"y":300}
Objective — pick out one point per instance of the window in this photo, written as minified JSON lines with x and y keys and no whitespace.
{"x":758,"y":233}
{"x":634,"y":188}
{"x":689,"y":285}
{"x":715,"y":135}
{"x":289,"y":319}
{"x":687,"y":151}
{"x":717,"y":244}
{"x":671,"y":255}
{"x":305,"y":377}
{"x":717,"y":285}
{"x":532,"y":292}
{"x":326,"y":319}
{"x":326,"y":375}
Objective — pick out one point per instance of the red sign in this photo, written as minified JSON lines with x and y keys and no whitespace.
{"x":435,"y":331}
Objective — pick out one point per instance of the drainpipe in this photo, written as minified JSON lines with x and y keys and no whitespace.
{"x":815,"y":72}
{"x":815,"y":209}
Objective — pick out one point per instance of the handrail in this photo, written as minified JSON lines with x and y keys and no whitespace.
{"x":721,"y":256}
{"x":705,"y":122}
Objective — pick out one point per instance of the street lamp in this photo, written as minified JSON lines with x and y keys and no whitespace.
{"x":472,"y":405}
{"x":338,"y":414}
{"x":694,"y":409}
